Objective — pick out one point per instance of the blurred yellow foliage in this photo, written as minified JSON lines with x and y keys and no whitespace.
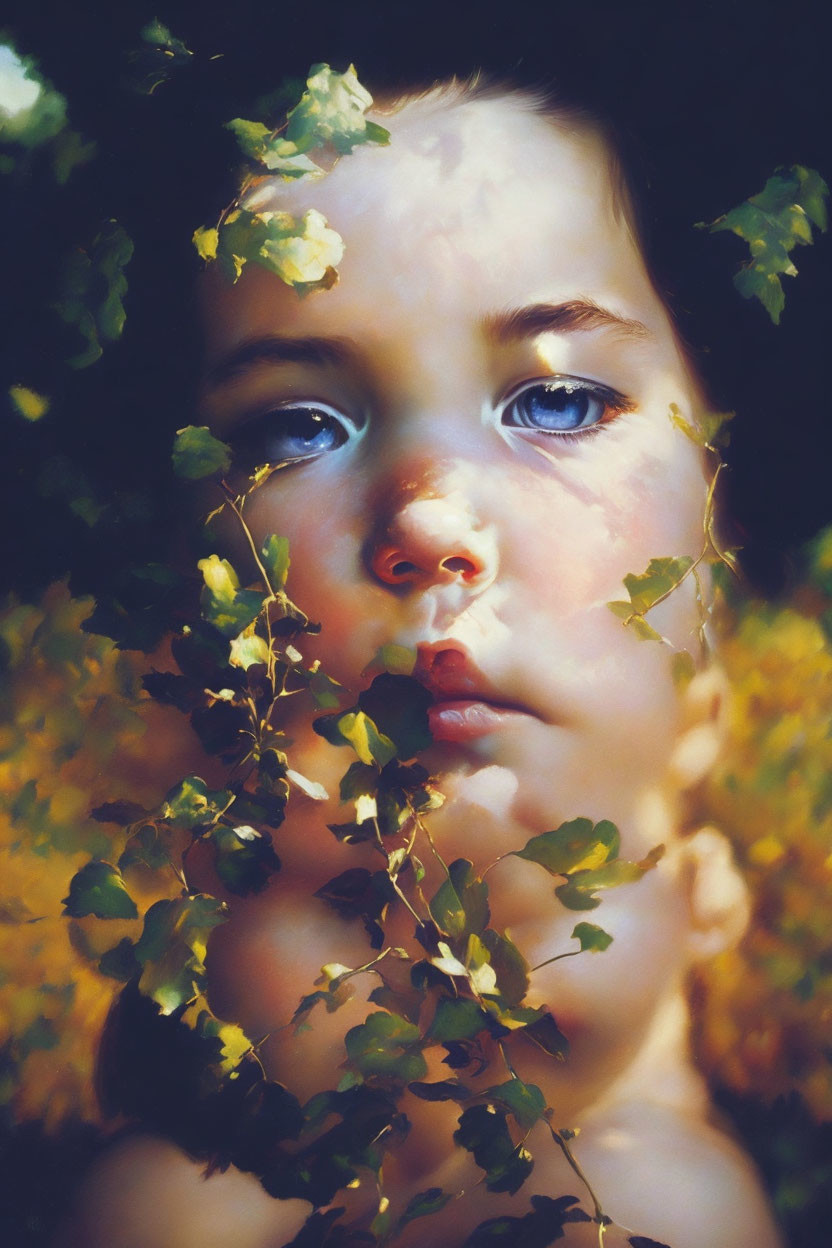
{"x":764,"y":1010}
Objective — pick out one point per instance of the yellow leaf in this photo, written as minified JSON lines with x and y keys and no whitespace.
{"x":29,"y":404}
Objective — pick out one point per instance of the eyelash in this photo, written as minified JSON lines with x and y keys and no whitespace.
{"x":250,"y":441}
{"x":612,"y":403}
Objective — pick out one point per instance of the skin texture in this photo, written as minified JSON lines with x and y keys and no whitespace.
{"x":430,"y":520}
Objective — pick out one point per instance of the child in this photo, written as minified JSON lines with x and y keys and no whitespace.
{"x":479,"y":415}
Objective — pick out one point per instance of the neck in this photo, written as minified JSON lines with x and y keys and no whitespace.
{"x":663,"y":1071}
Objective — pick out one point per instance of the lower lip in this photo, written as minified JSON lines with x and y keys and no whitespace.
{"x":469,"y":720}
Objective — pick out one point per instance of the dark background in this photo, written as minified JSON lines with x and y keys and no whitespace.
{"x":708,"y":99}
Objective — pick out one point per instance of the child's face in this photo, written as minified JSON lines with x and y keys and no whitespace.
{"x":485,"y":396}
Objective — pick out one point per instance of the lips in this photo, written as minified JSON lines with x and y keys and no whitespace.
{"x":466,"y":706}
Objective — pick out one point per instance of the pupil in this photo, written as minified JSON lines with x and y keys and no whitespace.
{"x":305,"y":425}
{"x":558,"y":409}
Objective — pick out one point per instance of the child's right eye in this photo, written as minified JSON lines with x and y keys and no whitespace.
{"x":287,"y":435}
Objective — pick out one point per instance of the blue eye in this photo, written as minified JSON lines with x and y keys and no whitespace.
{"x":563,"y":405}
{"x":285,"y":435}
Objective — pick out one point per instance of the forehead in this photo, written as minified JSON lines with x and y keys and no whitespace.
{"x":476,"y":205}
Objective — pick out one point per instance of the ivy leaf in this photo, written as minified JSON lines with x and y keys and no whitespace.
{"x":191,"y":804}
{"x":331,"y":110}
{"x":197,"y":453}
{"x":98,"y":888}
{"x":29,"y":403}
{"x":302,"y":251}
{"x":244,"y":858}
{"x":275,"y":555}
{"x":171,"y":949}
{"x":442,"y":1090}
{"x":359,"y":893}
{"x":248,"y":650}
{"x":268,"y":148}
{"x":510,"y":967}
{"x":160,"y":55}
{"x":525,"y":1101}
{"x":537,"y":1229}
{"x":774,"y":222}
{"x":546,"y":1034}
{"x":121,"y":813}
{"x":147,"y":848}
{"x":386,"y":1045}
{"x":577,"y":892}
{"x":120,"y":962}
{"x":576,"y":845}
{"x":661,"y":578}
{"x":423,"y":1204}
{"x":355,"y":728}
{"x":224,"y":605}
{"x":593,"y":939}
{"x":711,"y":428}
{"x":456,"y":1018}
{"x":460,"y":904}
{"x":483,"y":1131}
{"x":92,"y":289}
{"x":231,"y":1041}
{"x":398,"y":705}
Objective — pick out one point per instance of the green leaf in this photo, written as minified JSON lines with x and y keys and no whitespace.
{"x":711,"y":428}
{"x":578,"y":891}
{"x":423,"y":1204}
{"x":191,"y":804}
{"x":593,"y":939}
{"x":268,"y":147}
{"x":302,"y":251}
{"x":244,"y":858}
{"x":510,"y":967}
{"x":442,"y":1090}
{"x":398,"y":705}
{"x":92,"y":289}
{"x":98,"y":888}
{"x":355,"y":728}
{"x":456,"y":1018}
{"x":197,"y":453}
{"x":661,"y":576}
{"x":524,"y":1101}
{"x":157,"y":58}
{"x":331,"y":110}
{"x":537,"y":1229}
{"x":275,"y":555}
{"x":224,"y":605}
{"x":28,"y":403}
{"x":149,"y":847}
{"x":120,"y":962}
{"x":774,"y":222}
{"x":574,"y":846}
{"x":546,"y":1034}
{"x":483,"y":1131}
{"x":460,"y":904}
{"x":386,"y":1045}
{"x":171,"y":949}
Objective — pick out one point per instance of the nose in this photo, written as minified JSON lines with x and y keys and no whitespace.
{"x":433,"y":541}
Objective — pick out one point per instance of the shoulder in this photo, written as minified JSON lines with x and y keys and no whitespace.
{"x":676,"y":1178}
{"x":146,"y":1193}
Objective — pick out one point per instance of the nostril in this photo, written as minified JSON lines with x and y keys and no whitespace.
{"x":457,"y":563}
{"x":403,"y":568}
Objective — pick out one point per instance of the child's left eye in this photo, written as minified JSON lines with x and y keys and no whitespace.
{"x":563,"y":405}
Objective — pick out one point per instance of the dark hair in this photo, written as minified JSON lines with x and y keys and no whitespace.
{"x":693,"y":137}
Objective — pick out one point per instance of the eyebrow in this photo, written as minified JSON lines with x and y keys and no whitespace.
{"x":274,"y":349}
{"x":574,"y":315}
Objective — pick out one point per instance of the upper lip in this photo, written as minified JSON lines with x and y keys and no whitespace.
{"x":447,"y":671}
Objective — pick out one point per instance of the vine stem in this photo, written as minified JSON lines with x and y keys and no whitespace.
{"x":600,"y":1217}
{"x":237,"y":507}
{"x":572,"y":953}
